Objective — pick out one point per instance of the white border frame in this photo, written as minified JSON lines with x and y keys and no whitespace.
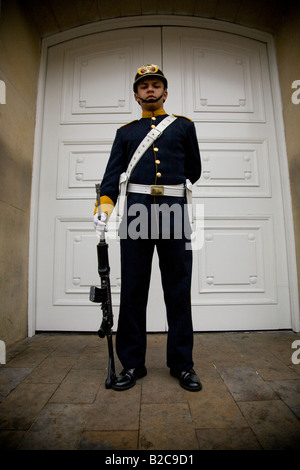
{"x":166,"y":20}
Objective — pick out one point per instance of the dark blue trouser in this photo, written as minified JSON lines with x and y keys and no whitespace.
{"x":175,"y":264}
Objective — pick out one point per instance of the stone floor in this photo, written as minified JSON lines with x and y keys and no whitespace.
{"x":52,"y":396}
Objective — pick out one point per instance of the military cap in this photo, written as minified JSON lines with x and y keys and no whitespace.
{"x":149,"y":70}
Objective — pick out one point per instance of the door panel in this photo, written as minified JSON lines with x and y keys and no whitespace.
{"x":97,"y":79}
{"x":88,"y":96}
{"x":240,"y":274}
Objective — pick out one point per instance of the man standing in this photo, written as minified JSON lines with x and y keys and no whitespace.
{"x":157,"y":193}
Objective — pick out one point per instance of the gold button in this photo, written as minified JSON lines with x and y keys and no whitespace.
{"x":153,"y":118}
{"x":153,"y":125}
{"x":157,"y":162}
{"x":155,"y":149}
{"x":158,"y":175}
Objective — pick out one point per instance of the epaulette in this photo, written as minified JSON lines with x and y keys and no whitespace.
{"x":128,"y":123}
{"x":177,"y":115}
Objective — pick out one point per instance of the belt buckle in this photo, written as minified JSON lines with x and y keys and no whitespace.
{"x":156,"y":190}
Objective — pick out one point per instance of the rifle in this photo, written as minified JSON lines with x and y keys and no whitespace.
{"x":103,"y":295}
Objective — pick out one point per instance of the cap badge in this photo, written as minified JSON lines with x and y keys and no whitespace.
{"x":147,"y":69}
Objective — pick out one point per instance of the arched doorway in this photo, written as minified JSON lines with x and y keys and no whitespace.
{"x":221,"y":81}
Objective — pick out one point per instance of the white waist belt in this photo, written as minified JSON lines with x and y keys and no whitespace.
{"x":177,"y":190}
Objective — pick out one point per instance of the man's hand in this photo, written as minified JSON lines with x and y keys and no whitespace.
{"x":100,"y":224}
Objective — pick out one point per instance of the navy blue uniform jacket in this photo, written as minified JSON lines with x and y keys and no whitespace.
{"x":172,"y":159}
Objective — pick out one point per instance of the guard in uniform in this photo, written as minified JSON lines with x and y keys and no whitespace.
{"x":155,"y":216}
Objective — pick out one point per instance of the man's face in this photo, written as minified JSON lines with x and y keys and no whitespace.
{"x":149,"y":89}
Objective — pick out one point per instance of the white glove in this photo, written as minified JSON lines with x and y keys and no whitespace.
{"x":100,"y":224}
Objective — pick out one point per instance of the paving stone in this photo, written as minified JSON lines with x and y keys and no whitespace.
{"x":71,"y":345}
{"x":58,"y":427}
{"x":270,"y":368}
{"x":92,"y":358}
{"x":245,"y":384}
{"x":214,"y":407}
{"x":53,"y":369}
{"x":274,"y":425}
{"x":289,"y":392}
{"x":29,"y":357}
{"x":10,"y":440}
{"x":157,"y":340}
{"x":109,"y":440}
{"x":160,"y":387}
{"x":115,"y":410}
{"x":21,"y":407}
{"x":205,"y":368}
{"x":79,"y":386}
{"x":167,"y":427}
{"x":227,"y":439}
{"x":156,"y":357}
{"x":10,"y":378}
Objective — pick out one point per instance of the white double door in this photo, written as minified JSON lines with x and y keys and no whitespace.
{"x":221,"y":82}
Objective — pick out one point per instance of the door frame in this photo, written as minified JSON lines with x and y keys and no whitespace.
{"x":162,"y":21}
